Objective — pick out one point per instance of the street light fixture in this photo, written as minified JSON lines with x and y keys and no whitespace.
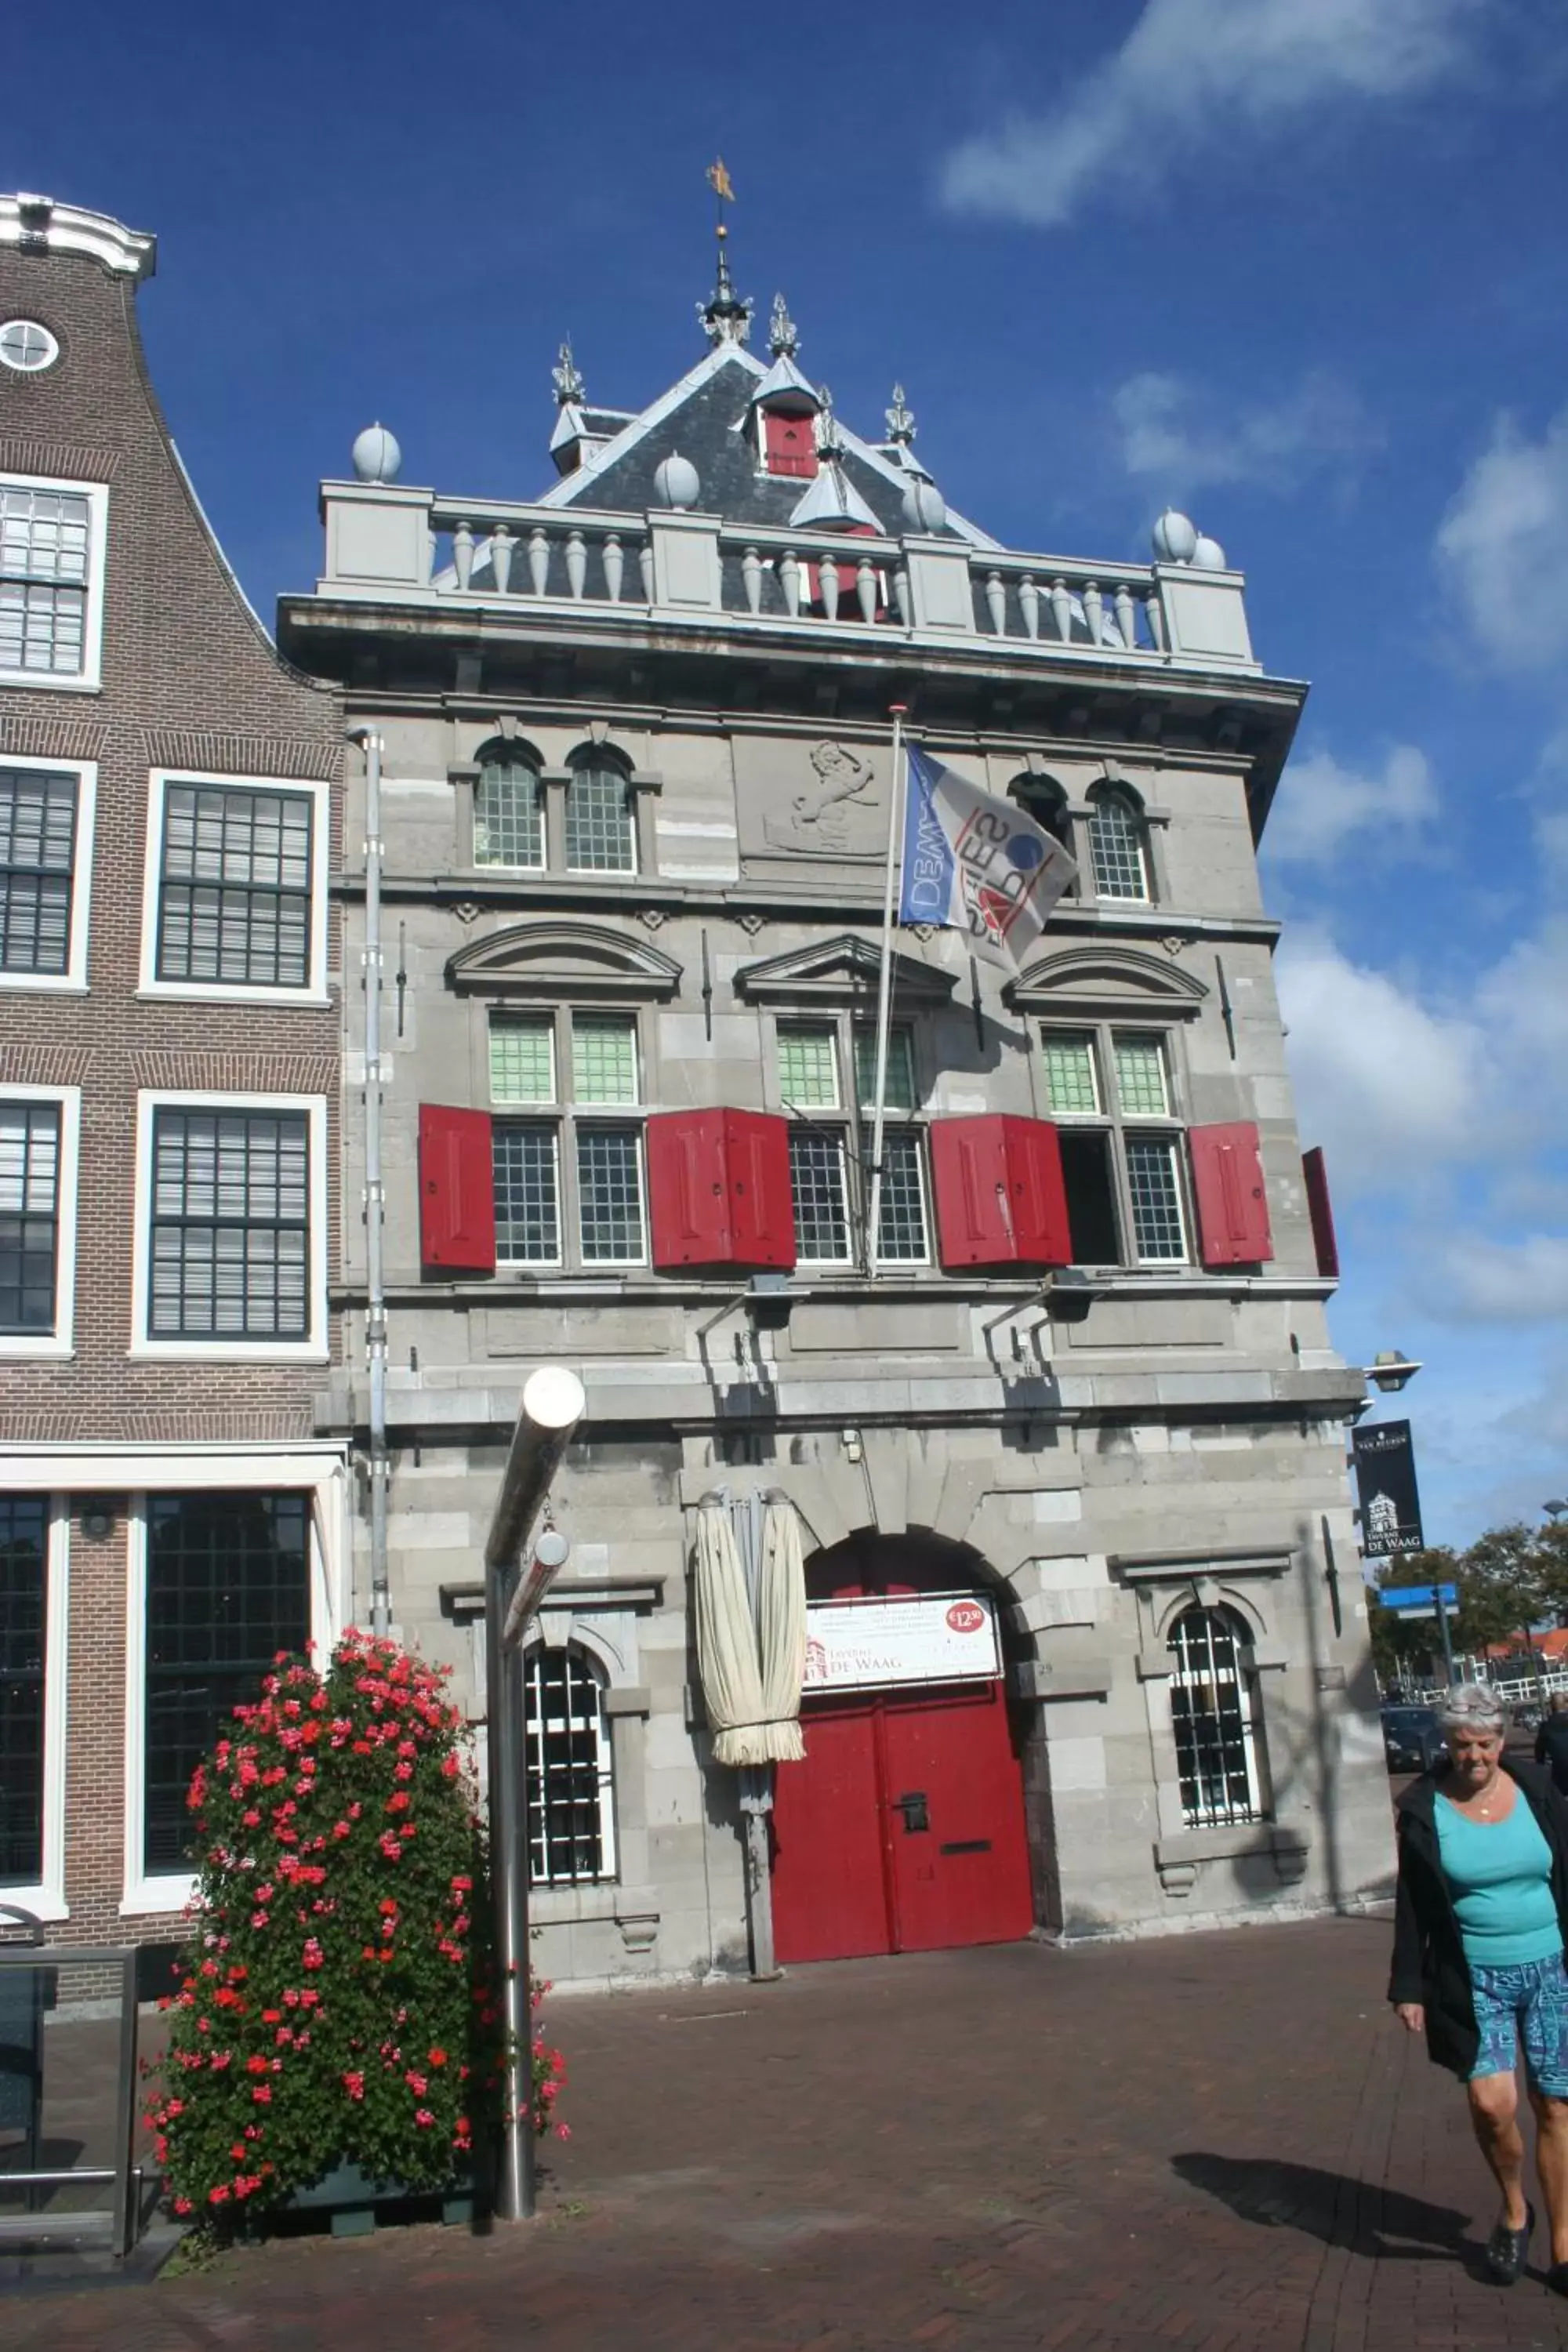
{"x":1554,"y":1510}
{"x":1390,"y":1371}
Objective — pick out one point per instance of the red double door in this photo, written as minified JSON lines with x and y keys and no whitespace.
{"x":903,"y":1830}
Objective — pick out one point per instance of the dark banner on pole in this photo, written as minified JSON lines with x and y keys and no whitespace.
{"x":1385,"y":1482}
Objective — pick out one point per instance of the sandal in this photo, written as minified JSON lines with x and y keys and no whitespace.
{"x":1506,"y":2250}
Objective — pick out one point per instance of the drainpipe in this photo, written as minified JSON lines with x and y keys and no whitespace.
{"x":375,"y":1190}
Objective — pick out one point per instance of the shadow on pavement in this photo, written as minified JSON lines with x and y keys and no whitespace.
{"x":1327,"y":2205}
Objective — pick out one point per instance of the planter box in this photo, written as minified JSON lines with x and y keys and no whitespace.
{"x":357,"y":2204}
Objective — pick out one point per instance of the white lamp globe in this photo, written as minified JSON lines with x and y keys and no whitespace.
{"x":376,"y":455}
{"x":1175,"y":538}
{"x":1208,"y":555}
{"x":677,"y":482}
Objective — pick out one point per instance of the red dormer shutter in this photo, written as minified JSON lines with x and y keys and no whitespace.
{"x":789,"y":444}
{"x":1232,"y":1203}
{"x":457,"y":1191}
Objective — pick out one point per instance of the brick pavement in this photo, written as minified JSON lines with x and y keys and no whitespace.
{"x":1208,"y":2143}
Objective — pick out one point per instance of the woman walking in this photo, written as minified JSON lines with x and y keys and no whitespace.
{"x":1480,"y":1930}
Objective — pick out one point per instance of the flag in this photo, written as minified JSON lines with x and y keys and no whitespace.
{"x":719,"y":180}
{"x":975,"y":864}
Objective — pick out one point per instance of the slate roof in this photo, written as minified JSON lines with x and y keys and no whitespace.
{"x":702,"y":417}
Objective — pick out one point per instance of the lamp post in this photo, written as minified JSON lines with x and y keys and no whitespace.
{"x":1390,"y":1371}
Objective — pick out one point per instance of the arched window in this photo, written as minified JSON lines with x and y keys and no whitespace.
{"x":1043,"y":799}
{"x":570,"y":1796}
{"x":509,"y":812}
{"x":1116,"y":835}
{"x":601,"y":827}
{"x":1212,"y":1716}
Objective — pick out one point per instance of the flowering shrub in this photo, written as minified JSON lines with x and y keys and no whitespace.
{"x":338,"y":2000}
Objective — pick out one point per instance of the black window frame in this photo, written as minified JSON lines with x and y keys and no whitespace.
{"x":24,"y":1686}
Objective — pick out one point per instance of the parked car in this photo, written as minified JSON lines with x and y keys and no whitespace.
{"x":1412,"y":1738}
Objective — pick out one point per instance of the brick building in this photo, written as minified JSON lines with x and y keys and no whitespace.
{"x":168,"y":1086}
{"x":1066,"y":1450}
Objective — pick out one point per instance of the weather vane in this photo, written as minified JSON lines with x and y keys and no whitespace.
{"x":726,"y":316}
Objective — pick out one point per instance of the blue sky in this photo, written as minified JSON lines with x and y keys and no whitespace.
{"x":1296,"y":265}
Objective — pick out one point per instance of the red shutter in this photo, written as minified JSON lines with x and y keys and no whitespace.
{"x":1228,"y":1185}
{"x":1000,"y":1199}
{"x":457,"y":1191}
{"x":789,"y":444}
{"x":718,"y":1191}
{"x":1321,"y":1210}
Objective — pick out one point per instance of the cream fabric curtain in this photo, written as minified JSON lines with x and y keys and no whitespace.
{"x":751,"y":1667}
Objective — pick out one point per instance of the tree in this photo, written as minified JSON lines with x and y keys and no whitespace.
{"x":1398,"y":1641}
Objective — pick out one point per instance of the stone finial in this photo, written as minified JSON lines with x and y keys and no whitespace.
{"x":567,"y":378}
{"x":783,"y":336}
{"x":900,"y":420}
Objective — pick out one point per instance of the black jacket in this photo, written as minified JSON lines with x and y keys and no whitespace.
{"x":1552,"y":1748}
{"x":1428,"y":1956}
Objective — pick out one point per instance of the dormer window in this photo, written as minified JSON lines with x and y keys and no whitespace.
{"x":789,"y":444}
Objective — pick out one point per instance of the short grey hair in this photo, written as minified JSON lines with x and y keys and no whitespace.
{"x":1473,"y":1706}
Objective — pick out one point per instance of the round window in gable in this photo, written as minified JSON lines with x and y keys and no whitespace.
{"x":27,"y":347}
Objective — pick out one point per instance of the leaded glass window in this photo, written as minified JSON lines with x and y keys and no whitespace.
{"x":570,"y":1796}
{"x":1071,"y":1086}
{"x":808,"y":1065}
{"x":522,"y":1060}
{"x":1212,"y":1719}
{"x":609,"y":1195}
{"x":1116,"y":843}
{"x":603,"y":1058}
{"x":234,"y":886}
{"x":24,"y":1614}
{"x":228,"y":1587}
{"x":900,"y":1093}
{"x":231,"y":1229}
{"x":901,"y":1218}
{"x":821,"y":1205}
{"x":1141,"y":1077}
{"x":601,"y":830}
{"x":527,"y":1161}
{"x":37,"y":856}
{"x":509,"y":815}
{"x":29,"y":1217}
{"x":1158,"y":1231}
{"x":45,"y":553}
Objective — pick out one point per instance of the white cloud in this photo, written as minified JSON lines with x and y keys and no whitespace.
{"x":1478,"y":1279}
{"x":1181,"y":436}
{"x":1193,"y":73}
{"x":1503,"y":546}
{"x":1320,"y":803}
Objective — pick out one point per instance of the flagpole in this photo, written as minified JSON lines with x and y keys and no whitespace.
{"x":898,"y":798}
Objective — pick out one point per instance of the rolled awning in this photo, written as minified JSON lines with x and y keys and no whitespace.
{"x":752,"y":1664}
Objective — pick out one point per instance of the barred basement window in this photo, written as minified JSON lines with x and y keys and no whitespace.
{"x":509,"y":816}
{"x":24,"y":1589}
{"x":1116,"y":844}
{"x":601,"y":829}
{"x":231,"y":1226}
{"x":37,"y":856}
{"x":234,"y":886}
{"x":46,"y":539}
{"x":1211,"y":1715}
{"x":820,"y":1206}
{"x":29,"y":1216}
{"x":229,"y":1586}
{"x":571,"y":1795}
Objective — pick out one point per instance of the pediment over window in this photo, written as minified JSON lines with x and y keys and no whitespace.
{"x":1099,"y":982}
{"x":844,"y":971}
{"x":560,"y":961}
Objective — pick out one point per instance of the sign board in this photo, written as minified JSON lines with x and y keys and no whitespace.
{"x":1386,"y":1483}
{"x":1419,"y":1600}
{"x":928,"y":1637}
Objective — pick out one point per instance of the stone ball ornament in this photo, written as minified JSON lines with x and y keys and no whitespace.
{"x":1208,"y":555}
{"x":677,"y":482}
{"x":925,"y":509}
{"x":376,"y":455}
{"x":1175,"y":538}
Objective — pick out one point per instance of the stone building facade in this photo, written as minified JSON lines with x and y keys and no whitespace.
{"x":637,"y":779}
{"x":169,"y":1076}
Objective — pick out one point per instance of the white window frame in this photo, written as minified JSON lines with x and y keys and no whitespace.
{"x":19,"y":1346}
{"x":45,"y":1898}
{"x":89,"y":678}
{"x":312,"y":1349}
{"x":546,"y":1117}
{"x":213,"y":992}
{"x":1248,"y":1712}
{"x":73,"y":979}
{"x":608,"y":1874}
{"x":152,"y":1895}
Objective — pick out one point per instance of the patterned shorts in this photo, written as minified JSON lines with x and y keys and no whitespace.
{"x":1526,"y":2002}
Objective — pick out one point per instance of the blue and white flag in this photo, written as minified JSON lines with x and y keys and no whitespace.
{"x":975,"y":864}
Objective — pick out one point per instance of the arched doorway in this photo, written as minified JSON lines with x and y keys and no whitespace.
{"x":903,"y":1830}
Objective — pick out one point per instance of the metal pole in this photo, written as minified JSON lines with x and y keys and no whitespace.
{"x":756,"y":1779}
{"x":884,"y":996}
{"x":374,"y":1191}
{"x":552,"y":1405}
{"x":1443,"y":1629}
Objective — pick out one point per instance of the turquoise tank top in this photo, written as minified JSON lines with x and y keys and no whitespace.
{"x":1500,"y":1876}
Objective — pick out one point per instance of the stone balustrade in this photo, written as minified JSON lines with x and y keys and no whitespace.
{"x":387,"y":541}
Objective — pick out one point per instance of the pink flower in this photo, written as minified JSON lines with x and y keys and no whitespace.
{"x":424,"y":2117}
{"x":354,"y":2085}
